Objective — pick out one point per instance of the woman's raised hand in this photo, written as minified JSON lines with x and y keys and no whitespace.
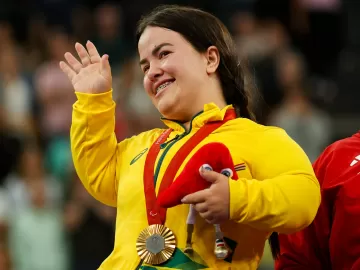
{"x":92,"y":74}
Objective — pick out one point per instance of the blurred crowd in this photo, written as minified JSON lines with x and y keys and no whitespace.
{"x":291,"y":49}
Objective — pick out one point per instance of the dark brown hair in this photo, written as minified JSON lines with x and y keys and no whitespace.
{"x":202,"y":30}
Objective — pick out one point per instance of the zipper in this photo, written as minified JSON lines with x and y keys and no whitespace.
{"x":162,"y":157}
{"x":169,"y":144}
{"x":163,"y":145}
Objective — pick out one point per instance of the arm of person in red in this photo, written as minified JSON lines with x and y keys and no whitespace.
{"x":328,"y":243}
{"x":308,"y":249}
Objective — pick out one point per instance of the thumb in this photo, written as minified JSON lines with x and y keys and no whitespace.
{"x":209,"y":175}
{"x":105,"y":68}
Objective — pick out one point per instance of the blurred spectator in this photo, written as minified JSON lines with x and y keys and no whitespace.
{"x":307,"y":125}
{"x":109,"y":35}
{"x":35,"y":48}
{"x":54,"y":90}
{"x":16,"y":95}
{"x":36,"y":233}
{"x":37,"y":239}
{"x":256,"y":40}
{"x":55,"y":99}
{"x":30,"y":171}
{"x":260,"y":42}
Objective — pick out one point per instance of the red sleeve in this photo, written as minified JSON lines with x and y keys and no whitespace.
{"x":308,"y":249}
{"x":332,"y":241}
{"x":344,"y":242}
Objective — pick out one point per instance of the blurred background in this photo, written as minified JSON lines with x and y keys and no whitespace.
{"x":303,"y":55}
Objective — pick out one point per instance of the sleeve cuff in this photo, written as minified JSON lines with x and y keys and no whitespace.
{"x":238,"y":199}
{"x":94,"y":103}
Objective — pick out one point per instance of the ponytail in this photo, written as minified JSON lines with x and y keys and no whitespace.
{"x":237,"y":86}
{"x":274,"y":245}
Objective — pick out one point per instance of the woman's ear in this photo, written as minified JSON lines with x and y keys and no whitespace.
{"x":213,"y":59}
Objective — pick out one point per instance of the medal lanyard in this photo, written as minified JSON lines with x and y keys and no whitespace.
{"x":156,"y":214}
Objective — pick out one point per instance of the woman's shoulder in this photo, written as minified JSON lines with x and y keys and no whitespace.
{"x":250,"y":127}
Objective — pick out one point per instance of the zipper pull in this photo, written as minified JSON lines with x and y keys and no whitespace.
{"x":166,"y":143}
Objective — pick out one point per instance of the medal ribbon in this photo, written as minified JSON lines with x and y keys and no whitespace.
{"x":155,"y":214}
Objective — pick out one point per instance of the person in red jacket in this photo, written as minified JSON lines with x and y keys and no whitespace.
{"x":332,"y":241}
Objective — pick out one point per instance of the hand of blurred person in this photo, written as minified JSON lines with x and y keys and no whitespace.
{"x":73,"y":216}
{"x":92,"y":74}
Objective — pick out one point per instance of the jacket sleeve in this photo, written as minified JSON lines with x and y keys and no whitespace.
{"x":94,"y":147}
{"x":284,"y":195}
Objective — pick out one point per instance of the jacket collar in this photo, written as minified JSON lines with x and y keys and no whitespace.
{"x":210,"y":113}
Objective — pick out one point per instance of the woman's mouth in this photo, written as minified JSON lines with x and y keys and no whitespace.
{"x":163,"y":86}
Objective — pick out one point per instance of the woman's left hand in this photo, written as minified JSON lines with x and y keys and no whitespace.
{"x":213,"y":204}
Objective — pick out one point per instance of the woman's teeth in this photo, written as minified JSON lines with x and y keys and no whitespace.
{"x":162,"y":86}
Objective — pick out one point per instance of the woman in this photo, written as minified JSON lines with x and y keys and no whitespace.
{"x":332,"y":240}
{"x":194,"y":79}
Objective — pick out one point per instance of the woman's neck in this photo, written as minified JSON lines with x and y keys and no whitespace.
{"x":187,"y":124}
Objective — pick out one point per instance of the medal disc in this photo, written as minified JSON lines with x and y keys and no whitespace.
{"x":156,"y":244}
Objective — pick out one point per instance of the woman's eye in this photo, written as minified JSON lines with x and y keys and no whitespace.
{"x":227,"y":172}
{"x":163,"y":54}
{"x":146,"y":68}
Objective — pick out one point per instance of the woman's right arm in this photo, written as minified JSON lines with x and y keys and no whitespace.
{"x":93,"y":143}
{"x":94,"y":146}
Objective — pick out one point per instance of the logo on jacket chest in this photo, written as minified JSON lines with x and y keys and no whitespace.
{"x":138,"y":156}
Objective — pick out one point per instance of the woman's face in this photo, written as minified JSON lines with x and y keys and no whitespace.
{"x":174,"y":72}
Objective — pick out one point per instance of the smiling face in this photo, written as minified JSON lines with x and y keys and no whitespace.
{"x":175,"y":74}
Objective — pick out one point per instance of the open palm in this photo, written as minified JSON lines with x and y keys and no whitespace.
{"x":93,"y":74}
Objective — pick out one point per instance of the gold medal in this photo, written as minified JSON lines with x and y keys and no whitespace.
{"x":156,"y":244}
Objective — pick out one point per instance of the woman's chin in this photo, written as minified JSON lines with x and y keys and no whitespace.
{"x":166,"y":109}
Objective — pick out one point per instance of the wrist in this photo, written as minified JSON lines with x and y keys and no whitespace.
{"x":94,"y":102}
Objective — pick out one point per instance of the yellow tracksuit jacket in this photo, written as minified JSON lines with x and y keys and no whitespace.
{"x":276,"y":191}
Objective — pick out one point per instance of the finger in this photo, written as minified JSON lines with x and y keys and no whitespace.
{"x":73,"y":62}
{"x":207,"y":216}
{"x":197,"y":197}
{"x":105,"y":68}
{"x":201,"y":207}
{"x":67,"y":70}
{"x":93,"y":53}
{"x":83,"y":54}
{"x":211,"y":176}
